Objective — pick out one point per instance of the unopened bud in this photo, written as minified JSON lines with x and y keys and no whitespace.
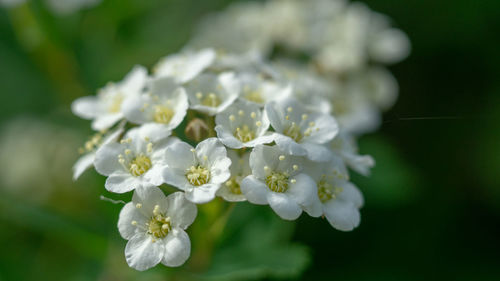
{"x":197,"y":130}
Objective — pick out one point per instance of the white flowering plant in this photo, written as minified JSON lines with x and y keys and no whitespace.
{"x":230,"y":120}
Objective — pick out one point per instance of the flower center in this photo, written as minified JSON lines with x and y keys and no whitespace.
{"x":159,"y":225}
{"x":211,"y":100}
{"x":293,"y":131}
{"x":140,"y":165}
{"x":244,"y":134}
{"x":116,"y":104}
{"x":277,"y":182}
{"x":163,"y":114}
{"x":326,"y":191}
{"x":233,"y":185}
{"x":254,"y":96}
{"x":198,"y":175}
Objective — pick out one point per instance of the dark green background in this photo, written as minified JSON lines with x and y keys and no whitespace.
{"x":432,"y":204}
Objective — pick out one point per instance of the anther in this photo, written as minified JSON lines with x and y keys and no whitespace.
{"x":293,"y":180}
{"x":304,"y":116}
{"x":138,"y":205}
{"x":253,"y":115}
{"x":295,"y":167}
{"x":282,"y":157}
{"x":199,"y":95}
{"x":231,"y":117}
{"x":289,"y":109}
{"x":258,"y":123}
{"x":241,"y":113}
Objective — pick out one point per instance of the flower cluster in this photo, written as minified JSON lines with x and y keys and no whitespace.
{"x":242,"y":126}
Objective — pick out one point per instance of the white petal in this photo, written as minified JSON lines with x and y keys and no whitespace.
{"x":142,"y":253}
{"x":181,"y":211}
{"x":284,"y":206}
{"x":128,"y":214}
{"x":155,"y":175}
{"x":202,"y":194}
{"x":175,"y":177}
{"x":260,"y":140}
{"x":177,"y":248}
{"x":350,"y":193}
{"x":220,"y":171}
{"x":288,"y":145}
{"x":276,"y":116}
{"x":85,"y":107}
{"x":82,"y":164}
{"x":149,"y":197}
{"x":106,"y":121}
{"x":254,"y":190}
{"x":227,"y":138}
{"x":360,"y":163}
{"x":121,"y":183}
{"x":135,"y":80}
{"x":179,"y":155}
{"x":155,"y":132}
{"x":261,"y":156}
{"x":305,"y":193}
{"x":106,"y":159}
{"x":317,"y":152}
{"x":134,"y":110}
{"x":328,"y":129}
{"x":342,"y":215}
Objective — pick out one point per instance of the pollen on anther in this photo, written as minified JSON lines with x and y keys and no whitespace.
{"x":282,"y":157}
{"x":241,"y":113}
{"x":231,"y":117}
{"x":289,"y":109}
{"x":258,"y":123}
{"x":199,"y":95}
{"x":295,"y":167}
{"x":293,"y":180}
{"x":128,"y":151}
{"x":134,"y":222}
{"x":193,"y":150}
{"x":266,"y":168}
{"x":253,"y":115}
{"x":138,"y":205}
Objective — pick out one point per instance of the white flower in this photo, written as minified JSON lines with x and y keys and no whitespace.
{"x":309,"y":88}
{"x":344,"y":146}
{"x":377,"y":84}
{"x":198,"y":171}
{"x":240,"y":168}
{"x":105,"y":109}
{"x":255,"y":88}
{"x":340,"y":199}
{"x":211,"y":94}
{"x":165,"y":105}
{"x":300,"y":132}
{"x":136,"y":161}
{"x":91,"y":146}
{"x":243,"y":124}
{"x":386,"y":45}
{"x":354,"y":111}
{"x":277,"y":179}
{"x":184,"y":66}
{"x":154,"y":225}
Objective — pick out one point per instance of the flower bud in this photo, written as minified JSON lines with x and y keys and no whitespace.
{"x":197,"y":130}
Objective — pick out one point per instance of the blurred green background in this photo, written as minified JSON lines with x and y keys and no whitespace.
{"x":432,"y":203}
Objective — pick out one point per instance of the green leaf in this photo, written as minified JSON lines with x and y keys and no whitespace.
{"x":258,"y":246}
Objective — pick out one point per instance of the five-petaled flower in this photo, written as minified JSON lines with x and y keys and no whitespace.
{"x":154,"y":227}
{"x":278,"y":180}
{"x":199,"y":171}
